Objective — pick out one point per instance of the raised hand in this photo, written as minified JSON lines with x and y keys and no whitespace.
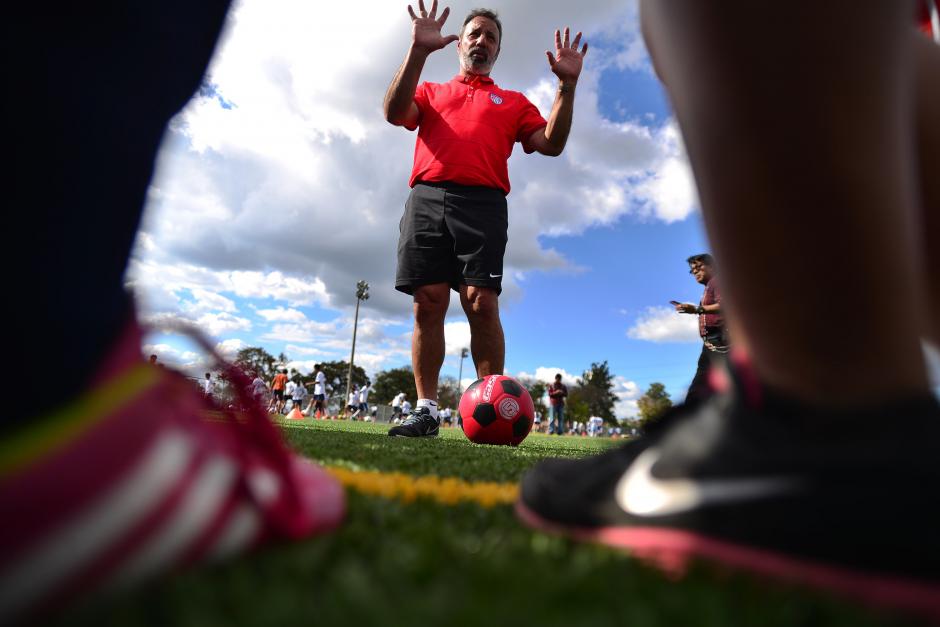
{"x":426,"y":29}
{"x":567,"y":61}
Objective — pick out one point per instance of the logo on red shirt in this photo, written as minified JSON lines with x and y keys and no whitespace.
{"x":496,"y":99}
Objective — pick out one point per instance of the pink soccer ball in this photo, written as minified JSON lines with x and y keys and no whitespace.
{"x":496,"y":410}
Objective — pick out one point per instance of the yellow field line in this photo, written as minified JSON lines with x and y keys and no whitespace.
{"x":407,"y":488}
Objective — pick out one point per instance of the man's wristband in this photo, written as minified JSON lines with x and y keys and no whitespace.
{"x":700,"y":310}
{"x":566,"y":88}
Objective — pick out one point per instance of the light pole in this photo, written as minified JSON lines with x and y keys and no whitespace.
{"x":463,"y":353}
{"x":362,"y":293}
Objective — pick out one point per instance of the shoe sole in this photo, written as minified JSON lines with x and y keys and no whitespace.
{"x":671,"y":551}
{"x":428,"y":435}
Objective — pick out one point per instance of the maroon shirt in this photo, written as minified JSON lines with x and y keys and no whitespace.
{"x":712,"y":296}
{"x":557,"y":393}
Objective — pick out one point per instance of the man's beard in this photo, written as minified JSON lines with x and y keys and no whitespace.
{"x":477,"y":66}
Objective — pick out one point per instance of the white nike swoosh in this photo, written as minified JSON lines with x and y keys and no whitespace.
{"x":640,"y":493}
{"x":495,"y":276}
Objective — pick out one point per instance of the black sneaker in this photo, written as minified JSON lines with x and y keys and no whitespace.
{"x":419,"y":424}
{"x":767,"y":486}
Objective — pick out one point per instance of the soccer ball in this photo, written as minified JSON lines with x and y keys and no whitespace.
{"x":496,"y":410}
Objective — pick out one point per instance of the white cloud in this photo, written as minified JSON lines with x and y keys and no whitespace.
{"x":205,"y":301}
{"x":293,"y":349}
{"x":547,"y":374}
{"x":228,"y":349}
{"x":627,"y":394}
{"x":295,"y":290}
{"x":291,"y":333}
{"x":664,"y":324}
{"x":281,"y":314}
{"x":182,"y":360}
{"x":217,"y":324}
{"x":294,"y":193}
{"x":277,"y":180}
{"x":668,"y":189}
{"x":456,"y":336}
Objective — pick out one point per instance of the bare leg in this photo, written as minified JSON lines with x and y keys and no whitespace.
{"x":487,"y":344}
{"x":427,"y":343}
{"x":800,"y":135}
{"x":927,"y":55}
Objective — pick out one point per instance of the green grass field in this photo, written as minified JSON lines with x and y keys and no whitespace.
{"x":416,"y":560}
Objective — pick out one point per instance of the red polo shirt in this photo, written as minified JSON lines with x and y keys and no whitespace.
{"x":466,"y":131}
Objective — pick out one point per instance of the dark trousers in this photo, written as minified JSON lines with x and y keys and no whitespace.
{"x":699,"y":389}
{"x":91,"y":87}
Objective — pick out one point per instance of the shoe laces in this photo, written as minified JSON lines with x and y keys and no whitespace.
{"x":415,"y":416}
{"x":257,"y":433}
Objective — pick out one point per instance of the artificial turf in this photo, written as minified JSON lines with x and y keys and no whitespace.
{"x":425,"y":563}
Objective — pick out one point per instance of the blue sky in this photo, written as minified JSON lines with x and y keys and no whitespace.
{"x":280,"y":186}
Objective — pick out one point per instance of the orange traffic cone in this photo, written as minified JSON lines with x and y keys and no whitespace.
{"x":294,"y":414}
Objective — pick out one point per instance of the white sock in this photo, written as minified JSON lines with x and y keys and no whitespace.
{"x":431,"y":405}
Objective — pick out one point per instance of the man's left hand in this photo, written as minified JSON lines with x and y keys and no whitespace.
{"x":567,"y":61}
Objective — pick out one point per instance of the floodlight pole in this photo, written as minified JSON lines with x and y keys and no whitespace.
{"x":362,"y":293}
{"x":463,"y":353}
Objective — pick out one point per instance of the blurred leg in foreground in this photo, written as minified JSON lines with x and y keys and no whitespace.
{"x":122,"y":478}
{"x":815,"y":152}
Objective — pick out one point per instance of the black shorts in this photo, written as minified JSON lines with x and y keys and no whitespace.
{"x":453,"y":234}
{"x":279,"y":395}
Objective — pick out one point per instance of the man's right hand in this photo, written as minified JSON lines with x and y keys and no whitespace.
{"x":426,"y":29}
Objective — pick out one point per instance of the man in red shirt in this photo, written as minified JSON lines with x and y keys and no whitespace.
{"x":557,"y":392}
{"x":453,"y":232}
{"x":711,"y":326}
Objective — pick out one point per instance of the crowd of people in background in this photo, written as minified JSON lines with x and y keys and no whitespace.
{"x":283,"y":393}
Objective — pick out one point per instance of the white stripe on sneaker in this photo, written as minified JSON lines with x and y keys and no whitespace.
{"x":242,"y":528}
{"x":82,"y":538}
{"x":209,"y":492}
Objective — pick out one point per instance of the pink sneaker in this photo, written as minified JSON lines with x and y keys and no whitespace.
{"x":131,"y":480}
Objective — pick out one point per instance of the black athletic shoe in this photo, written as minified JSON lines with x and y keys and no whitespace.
{"x":845,"y":503}
{"x":419,"y":424}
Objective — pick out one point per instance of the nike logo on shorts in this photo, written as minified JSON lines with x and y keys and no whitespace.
{"x":495,"y":276}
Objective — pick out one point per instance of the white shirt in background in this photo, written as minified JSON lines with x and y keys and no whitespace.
{"x":319,"y":383}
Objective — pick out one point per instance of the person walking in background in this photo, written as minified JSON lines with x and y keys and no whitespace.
{"x":208,"y":386}
{"x":289,"y":392}
{"x":298,"y":394}
{"x":278,"y":385}
{"x":396,"y":404}
{"x":711,"y":326}
{"x":364,"y":400}
{"x":319,"y":391}
{"x":352,"y":403}
{"x":557,"y":393}
{"x":258,"y":388}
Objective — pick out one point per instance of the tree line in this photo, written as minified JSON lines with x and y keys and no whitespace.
{"x":592,"y":395}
